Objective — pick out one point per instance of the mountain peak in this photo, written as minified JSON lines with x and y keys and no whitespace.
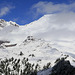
{"x":2,"y":20}
{"x":4,"y":23}
{"x":13,"y":23}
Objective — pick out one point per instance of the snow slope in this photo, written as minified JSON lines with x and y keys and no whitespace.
{"x":41,"y":41}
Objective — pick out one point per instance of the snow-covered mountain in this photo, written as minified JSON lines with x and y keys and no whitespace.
{"x":41,"y":41}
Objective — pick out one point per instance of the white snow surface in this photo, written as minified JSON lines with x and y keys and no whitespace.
{"x":50,"y":40}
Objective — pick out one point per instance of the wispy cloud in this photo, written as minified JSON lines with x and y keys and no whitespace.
{"x":5,"y":9}
{"x":50,"y":8}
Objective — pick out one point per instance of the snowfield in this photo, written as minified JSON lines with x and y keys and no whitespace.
{"x":41,"y":41}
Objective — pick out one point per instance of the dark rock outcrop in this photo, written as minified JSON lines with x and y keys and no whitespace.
{"x":11,"y":45}
{"x":4,"y":42}
{"x":63,"y":68}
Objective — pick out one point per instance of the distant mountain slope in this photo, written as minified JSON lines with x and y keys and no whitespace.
{"x":42,"y":41}
{"x":48,"y":27}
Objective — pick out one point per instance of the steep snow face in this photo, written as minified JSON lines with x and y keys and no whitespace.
{"x":52,"y":26}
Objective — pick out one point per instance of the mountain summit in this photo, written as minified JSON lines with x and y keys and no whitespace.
{"x":3,"y":23}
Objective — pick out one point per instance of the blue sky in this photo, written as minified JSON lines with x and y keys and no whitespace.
{"x":26,"y":11}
